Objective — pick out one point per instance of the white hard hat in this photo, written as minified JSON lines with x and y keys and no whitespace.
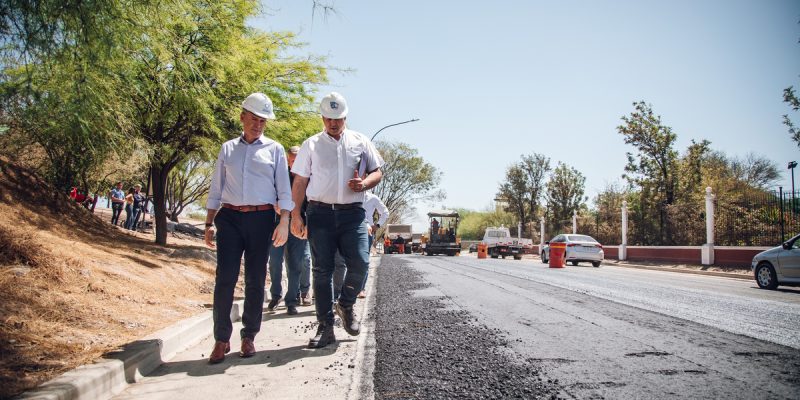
{"x":333,"y":106}
{"x":259,"y":104}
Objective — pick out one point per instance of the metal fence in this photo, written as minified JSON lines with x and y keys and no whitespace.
{"x":757,"y":219}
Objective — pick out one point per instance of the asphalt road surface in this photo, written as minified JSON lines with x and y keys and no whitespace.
{"x":579,"y":332}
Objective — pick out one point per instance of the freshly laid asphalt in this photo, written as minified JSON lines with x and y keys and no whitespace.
{"x":416,"y":342}
{"x":428,"y":349}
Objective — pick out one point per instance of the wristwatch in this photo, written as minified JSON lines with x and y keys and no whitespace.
{"x":209,"y":224}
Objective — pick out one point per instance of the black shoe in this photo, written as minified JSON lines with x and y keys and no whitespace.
{"x":323,"y":337}
{"x":348,"y":316}
{"x":273,"y":303}
{"x":291,"y":310}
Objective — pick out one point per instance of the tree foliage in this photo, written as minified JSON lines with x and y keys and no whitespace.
{"x":564,"y":195}
{"x":407,"y":180}
{"x":474,"y":223}
{"x":790,"y":98}
{"x":89,"y":79}
{"x":523,"y":186}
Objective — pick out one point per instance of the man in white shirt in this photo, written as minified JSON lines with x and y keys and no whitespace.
{"x":250,"y":178}
{"x":327,"y":171}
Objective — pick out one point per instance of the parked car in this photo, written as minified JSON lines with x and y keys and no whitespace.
{"x":778,"y":266}
{"x":580,"y":248}
{"x":473,"y":247}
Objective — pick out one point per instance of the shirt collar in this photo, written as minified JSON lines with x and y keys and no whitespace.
{"x":344,"y":132}
{"x":261,"y":139}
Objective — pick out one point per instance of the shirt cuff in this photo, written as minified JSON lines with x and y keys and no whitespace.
{"x":287,"y":205}
{"x":213,"y":204}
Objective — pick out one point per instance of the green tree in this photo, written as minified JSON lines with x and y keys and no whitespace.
{"x":407,"y":180}
{"x":790,"y":98}
{"x":89,"y":78}
{"x":514,"y":192}
{"x":654,"y":165}
{"x":189,"y":182}
{"x":524,"y":186}
{"x":536,"y":167}
{"x":564,"y":195}
{"x":474,"y":223}
{"x":58,"y":97}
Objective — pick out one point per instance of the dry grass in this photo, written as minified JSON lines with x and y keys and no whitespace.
{"x":73,"y":287}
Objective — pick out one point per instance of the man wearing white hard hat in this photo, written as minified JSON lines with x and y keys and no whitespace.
{"x":333,"y":169}
{"x":251,"y":177}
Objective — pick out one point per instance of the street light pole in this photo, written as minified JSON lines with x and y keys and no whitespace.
{"x":387,"y":126}
{"x":792,"y":164}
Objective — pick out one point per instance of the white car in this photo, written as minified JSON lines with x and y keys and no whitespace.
{"x":778,"y":266}
{"x":579,"y":248}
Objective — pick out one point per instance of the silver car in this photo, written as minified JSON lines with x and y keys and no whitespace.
{"x":579,"y":248}
{"x":778,"y":266}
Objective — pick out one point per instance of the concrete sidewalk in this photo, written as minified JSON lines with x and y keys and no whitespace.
{"x":173,"y":363}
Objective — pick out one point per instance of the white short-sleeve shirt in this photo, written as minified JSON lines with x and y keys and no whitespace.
{"x":330,"y":163}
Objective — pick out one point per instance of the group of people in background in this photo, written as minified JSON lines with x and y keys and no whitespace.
{"x":132,"y":202}
{"x":268,"y":208}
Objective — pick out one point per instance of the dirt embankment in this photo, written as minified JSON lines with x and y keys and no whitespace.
{"x":73,"y":287}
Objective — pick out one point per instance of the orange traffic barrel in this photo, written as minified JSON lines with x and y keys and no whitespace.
{"x":482,"y":250}
{"x":557,"y":255}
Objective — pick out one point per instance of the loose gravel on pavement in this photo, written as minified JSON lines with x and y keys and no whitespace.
{"x":428,"y":348}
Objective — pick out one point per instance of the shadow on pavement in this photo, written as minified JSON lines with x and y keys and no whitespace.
{"x":268,"y":358}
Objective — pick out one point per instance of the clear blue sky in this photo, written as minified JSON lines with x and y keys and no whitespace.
{"x":490,"y":81}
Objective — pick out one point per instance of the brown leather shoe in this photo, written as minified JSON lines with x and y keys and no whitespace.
{"x":218,"y":354}
{"x":248,"y":348}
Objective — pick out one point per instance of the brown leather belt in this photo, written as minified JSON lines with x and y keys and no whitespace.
{"x":262,"y":207}
{"x":334,"y":206}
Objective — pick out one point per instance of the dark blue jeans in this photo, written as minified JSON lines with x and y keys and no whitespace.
{"x":128,"y":214}
{"x":131,"y":222}
{"x":339,"y":272}
{"x":239,"y":233}
{"x":116,"y":210}
{"x":294,"y":252}
{"x":305,"y":271}
{"x":328,"y":231}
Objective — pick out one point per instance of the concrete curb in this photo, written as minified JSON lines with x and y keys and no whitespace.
{"x":362,"y":386}
{"x":110,"y":375}
{"x":684,"y":271}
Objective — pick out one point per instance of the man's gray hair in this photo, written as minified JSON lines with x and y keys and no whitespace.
{"x":294,"y":149}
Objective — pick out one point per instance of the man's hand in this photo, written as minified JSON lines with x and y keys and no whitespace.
{"x":298,"y":228}
{"x":356,"y":184}
{"x":281,"y":233}
{"x":209,"y":237}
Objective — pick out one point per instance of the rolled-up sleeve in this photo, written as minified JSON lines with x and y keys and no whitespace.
{"x":383,"y":212}
{"x":217,"y":183}
{"x":283,"y":187}
{"x":302,"y":163}
{"x":374,"y":159}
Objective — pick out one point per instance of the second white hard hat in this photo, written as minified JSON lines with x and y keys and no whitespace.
{"x":259,"y":104}
{"x":333,"y":106}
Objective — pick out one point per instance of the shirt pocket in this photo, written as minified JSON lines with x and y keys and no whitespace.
{"x":354,"y":156}
{"x":263,"y":164}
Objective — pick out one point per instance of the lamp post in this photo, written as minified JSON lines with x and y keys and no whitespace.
{"x":399,"y":123}
{"x":791,"y":166}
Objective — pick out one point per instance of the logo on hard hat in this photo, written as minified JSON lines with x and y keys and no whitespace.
{"x":267,"y":108}
{"x":334,"y":105}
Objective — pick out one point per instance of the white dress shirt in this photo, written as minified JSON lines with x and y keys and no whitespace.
{"x":250,"y":175}
{"x":330,"y":163}
{"x":372,"y":203}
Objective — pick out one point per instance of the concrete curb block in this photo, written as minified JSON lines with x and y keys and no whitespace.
{"x":110,"y":375}
{"x":362,"y":385}
{"x":685,"y":271}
